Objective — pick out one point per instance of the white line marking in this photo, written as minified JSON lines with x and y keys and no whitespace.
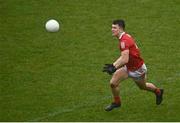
{"x":61,"y":110}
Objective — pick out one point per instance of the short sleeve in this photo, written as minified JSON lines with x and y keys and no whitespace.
{"x":124,"y":45}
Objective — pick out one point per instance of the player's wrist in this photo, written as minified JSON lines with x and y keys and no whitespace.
{"x":115,"y":66}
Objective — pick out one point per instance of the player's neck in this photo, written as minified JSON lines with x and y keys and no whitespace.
{"x":120,"y":34}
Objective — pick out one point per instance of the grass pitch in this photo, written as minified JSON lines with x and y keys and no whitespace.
{"x":57,"y":76}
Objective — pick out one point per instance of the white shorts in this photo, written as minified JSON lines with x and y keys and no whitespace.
{"x":138,"y":73}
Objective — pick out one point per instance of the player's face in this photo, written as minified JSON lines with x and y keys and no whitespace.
{"x":115,"y":30}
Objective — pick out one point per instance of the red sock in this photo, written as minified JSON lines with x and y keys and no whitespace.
{"x":157,"y":91}
{"x":117,"y":100}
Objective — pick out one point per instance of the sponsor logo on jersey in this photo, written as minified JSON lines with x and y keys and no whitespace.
{"x":122,"y":45}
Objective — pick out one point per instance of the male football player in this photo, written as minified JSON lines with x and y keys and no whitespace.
{"x":129,"y":65}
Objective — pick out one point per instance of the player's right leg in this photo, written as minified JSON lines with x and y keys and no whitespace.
{"x":140,"y":77}
{"x":143,"y":84}
{"x":117,"y":77}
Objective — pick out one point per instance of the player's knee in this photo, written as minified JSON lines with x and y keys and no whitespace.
{"x":113,"y":84}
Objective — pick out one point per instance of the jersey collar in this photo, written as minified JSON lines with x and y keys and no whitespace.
{"x":121,"y":35}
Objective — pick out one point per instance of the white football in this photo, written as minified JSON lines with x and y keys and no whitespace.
{"x":52,"y":25}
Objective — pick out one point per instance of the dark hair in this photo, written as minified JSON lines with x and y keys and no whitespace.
{"x":120,"y":23}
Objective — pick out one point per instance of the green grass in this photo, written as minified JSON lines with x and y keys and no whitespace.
{"x":57,"y":76}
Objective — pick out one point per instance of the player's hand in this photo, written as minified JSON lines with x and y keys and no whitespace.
{"x":109,"y":68}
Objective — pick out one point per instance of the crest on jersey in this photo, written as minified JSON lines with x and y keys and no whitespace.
{"x":122,"y":45}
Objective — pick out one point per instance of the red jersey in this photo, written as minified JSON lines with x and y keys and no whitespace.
{"x":135,"y":60}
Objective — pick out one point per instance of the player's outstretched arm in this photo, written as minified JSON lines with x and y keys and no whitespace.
{"x":122,"y":60}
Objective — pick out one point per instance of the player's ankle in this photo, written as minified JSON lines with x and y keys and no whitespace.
{"x":117,"y":100}
{"x":157,"y":91}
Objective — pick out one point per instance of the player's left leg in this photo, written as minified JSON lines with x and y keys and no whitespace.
{"x":120,"y":75}
{"x":144,"y":85}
